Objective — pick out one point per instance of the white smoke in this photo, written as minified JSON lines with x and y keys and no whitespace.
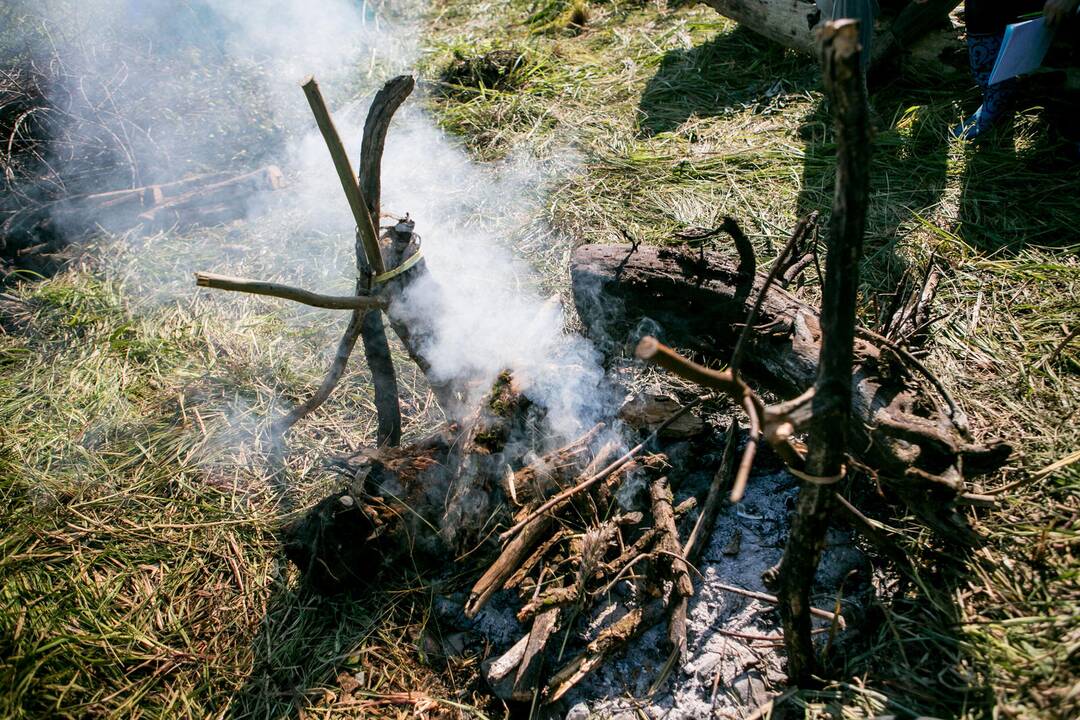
{"x":493,"y":315}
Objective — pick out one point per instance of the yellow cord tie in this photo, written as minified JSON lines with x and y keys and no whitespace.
{"x":390,"y":274}
{"x":817,"y":479}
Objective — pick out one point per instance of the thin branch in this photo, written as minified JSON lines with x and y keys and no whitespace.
{"x":706,"y":520}
{"x":361,"y":214}
{"x":287,"y":292}
{"x":772,"y":599}
{"x":333,"y":376}
{"x":777,"y":427}
{"x":846,"y":90}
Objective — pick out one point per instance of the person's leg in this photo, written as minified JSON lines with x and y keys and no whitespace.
{"x":986,"y":21}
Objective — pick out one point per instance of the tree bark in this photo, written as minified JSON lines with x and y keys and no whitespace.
{"x":792,"y":23}
{"x":372,"y":331}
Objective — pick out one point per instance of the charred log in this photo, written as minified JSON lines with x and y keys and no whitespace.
{"x":900,"y":425}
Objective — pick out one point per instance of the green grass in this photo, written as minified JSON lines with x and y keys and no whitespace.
{"x":140,"y":574}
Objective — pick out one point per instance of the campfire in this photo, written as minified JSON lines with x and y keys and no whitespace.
{"x":592,"y":541}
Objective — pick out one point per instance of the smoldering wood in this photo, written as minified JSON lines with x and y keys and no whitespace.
{"x":513,"y":555}
{"x":528,"y":675}
{"x":547,"y":473}
{"x":668,"y":543}
{"x":448,"y":494}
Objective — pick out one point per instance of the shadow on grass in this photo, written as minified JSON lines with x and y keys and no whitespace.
{"x":729,"y":72}
{"x":909,"y":169}
{"x":356,"y":655}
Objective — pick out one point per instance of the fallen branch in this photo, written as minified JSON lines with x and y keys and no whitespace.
{"x":706,"y":520}
{"x":220,"y":197}
{"x":664,"y":520}
{"x":773,"y":600}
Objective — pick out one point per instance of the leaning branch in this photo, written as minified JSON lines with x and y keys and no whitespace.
{"x":361,"y":215}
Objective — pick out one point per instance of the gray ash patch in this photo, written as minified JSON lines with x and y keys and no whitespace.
{"x":727,"y":670}
{"x":732,"y":665}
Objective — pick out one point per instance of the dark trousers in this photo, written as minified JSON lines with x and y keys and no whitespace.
{"x":989,"y":17}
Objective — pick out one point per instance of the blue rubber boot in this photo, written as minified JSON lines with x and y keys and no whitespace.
{"x":997,"y":98}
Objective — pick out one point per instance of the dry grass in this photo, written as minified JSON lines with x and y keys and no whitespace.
{"x":140,"y":573}
{"x":139,"y":570}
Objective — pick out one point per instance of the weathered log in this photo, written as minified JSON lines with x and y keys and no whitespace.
{"x":204,"y":202}
{"x":795,"y":23}
{"x":198,"y":200}
{"x":899,"y":423}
